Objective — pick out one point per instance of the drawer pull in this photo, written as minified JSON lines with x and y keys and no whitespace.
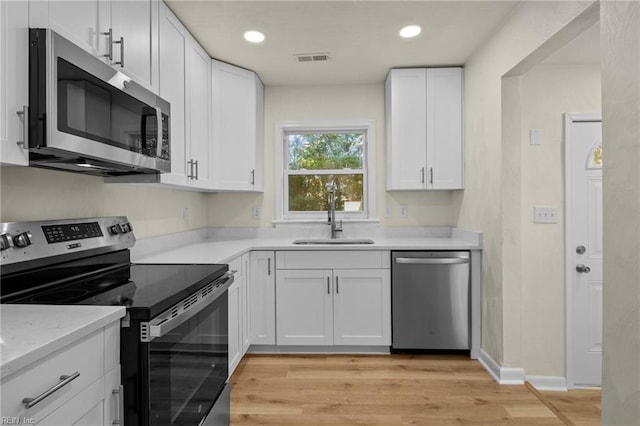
{"x":64,"y":380}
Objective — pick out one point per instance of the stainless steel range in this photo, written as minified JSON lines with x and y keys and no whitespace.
{"x":174,"y":338}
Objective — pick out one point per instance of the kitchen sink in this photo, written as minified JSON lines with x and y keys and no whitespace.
{"x":334,"y":241}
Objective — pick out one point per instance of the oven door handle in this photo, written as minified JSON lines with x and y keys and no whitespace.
{"x":185,"y":309}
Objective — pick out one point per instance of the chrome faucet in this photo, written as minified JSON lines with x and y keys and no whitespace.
{"x":331,"y":211}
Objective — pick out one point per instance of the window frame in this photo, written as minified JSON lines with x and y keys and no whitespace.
{"x":282,"y":169}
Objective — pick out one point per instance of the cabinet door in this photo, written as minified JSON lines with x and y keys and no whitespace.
{"x":173,"y":51}
{"x":362,"y":307}
{"x":304,"y":307}
{"x":113,"y":400}
{"x":235,"y":326}
{"x":198,"y":113}
{"x":78,"y":21}
{"x":444,"y":128}
{"x":233,"y":125}
{"x":406,"y":111}
{"x":14,"y":61}
{"x":262,"y":315}
{"x":136,"y":22}
{"x":244,"y":296}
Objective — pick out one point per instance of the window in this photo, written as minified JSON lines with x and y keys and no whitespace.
{"x":316,"y":156}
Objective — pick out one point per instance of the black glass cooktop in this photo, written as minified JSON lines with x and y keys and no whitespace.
{"x":145,"y":289}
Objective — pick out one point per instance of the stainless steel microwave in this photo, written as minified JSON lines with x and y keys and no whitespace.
{"x":85,"y":116}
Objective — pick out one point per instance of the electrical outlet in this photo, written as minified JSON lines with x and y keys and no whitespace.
{"x":388,"y":213}
{"x":185,"y":214}
{"x":404,"y":211}
{"x":545,"y":214}
{"x":534,"y":136}
{"x":256,"y":212}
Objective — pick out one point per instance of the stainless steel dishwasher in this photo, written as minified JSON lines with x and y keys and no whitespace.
{"x":430,"y":300}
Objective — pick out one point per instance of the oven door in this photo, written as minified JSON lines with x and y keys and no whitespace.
{"x":188,"y":363}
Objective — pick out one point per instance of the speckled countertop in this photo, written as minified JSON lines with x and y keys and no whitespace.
{"x":29,"y":333}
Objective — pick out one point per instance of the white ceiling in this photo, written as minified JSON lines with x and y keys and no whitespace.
{"x":361,"y":37}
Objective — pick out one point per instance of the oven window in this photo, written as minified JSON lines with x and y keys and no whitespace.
{"x":189,"y":367}
{"x":92,"y":109}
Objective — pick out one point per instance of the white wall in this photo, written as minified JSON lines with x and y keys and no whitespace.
{"x":306,"y":103}
{"x":620,"y":54}
{"x":481,"y":205}
{"x":547,"y":92}
{"x":28,"y":193}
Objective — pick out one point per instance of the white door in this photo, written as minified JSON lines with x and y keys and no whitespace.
{"x":262,"y":298}
{"x":584,"y":249}
{"x":362,"y":307}
{"x":304,"y":307}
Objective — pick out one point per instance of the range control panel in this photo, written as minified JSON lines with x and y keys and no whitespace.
{"x":29,"y":241}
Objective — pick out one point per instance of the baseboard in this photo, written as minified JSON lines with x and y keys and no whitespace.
{"x":548,"y":383}
{"x":502,"y":375}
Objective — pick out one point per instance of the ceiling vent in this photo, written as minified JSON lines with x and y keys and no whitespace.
{"x":312,"y":57}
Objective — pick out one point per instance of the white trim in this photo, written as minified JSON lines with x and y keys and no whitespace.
{"x":569,"y":119}
{"x":341,"y":125}
{"x":548,"y":383}
{"x":503,"y":376}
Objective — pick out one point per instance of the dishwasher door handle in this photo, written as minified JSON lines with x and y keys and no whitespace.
{"x":432,"y":261}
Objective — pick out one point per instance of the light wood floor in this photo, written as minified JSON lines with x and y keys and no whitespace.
{"x":380,"y":390}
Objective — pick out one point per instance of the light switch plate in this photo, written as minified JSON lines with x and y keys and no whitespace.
{"x":256,"y":212}
{"x":534,"y":136}
{"x":545,"y":214}
{"x":404,"y":211}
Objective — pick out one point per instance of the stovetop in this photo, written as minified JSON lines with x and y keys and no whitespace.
{"x":145,"y":289}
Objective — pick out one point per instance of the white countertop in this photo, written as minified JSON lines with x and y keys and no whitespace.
{"x":29,"y":333}
{"x":223,"y":251}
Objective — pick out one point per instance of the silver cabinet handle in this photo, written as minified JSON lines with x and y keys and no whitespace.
{"x":120,"y":393}
{"x":432,"y":261}
{"x":431,"y":174}
{"x":196,"y":164}
{"x":268,"y":266}
{"x":328,"y":285}
{"x":121,"y":43}
{"x":337,"y":285}
{"x":24,"y":115}
{"x":422,"y":174}
{"x":64,"y":380}
{"x":190,"y":163}
{"x":109,"y":35}
{"x":253,"y":176}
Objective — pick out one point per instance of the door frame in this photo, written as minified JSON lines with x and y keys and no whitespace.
{"x":569,"y":119}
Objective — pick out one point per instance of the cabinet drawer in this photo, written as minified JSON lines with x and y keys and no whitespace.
{"x":339,"y":259}
{"x":85,"y":357}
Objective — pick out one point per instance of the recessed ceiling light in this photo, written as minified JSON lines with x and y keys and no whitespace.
{"x":410,"y":31}
{"x":254,"y":36}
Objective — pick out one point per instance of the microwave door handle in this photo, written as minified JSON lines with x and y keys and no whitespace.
{"x":159,"y":139}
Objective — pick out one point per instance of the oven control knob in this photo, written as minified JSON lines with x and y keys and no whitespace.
{"x":5,"y":242}
{"x":23,"y":239}
{"x":115,"y":229}
{"x":125,"y":227}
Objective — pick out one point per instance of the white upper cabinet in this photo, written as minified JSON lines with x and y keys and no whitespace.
{"x":423,"y":109}
{"x":185,"y":83}
{"x":174,"y":41}
{"x":14,"y":61}
{"x":122,"y":33}
{"x":237,"y":128}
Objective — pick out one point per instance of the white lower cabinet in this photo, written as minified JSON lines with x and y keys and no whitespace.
{"x":262,"y":303}
{"x":337,"y":306}
{"x":88,"y":398}
{"x":238,"y":312}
